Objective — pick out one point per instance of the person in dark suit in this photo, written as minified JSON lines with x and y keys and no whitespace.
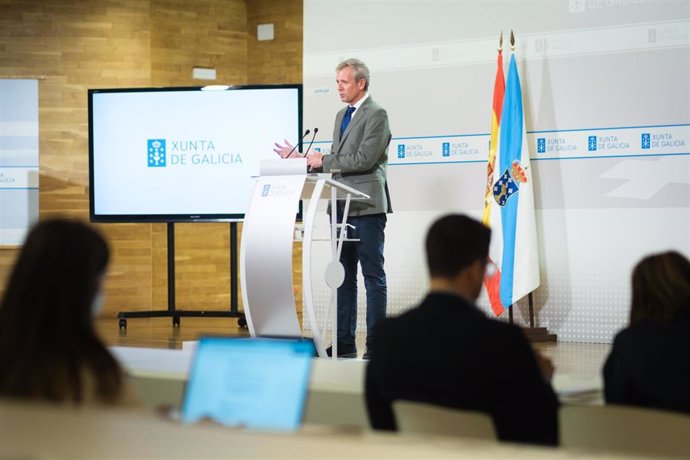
{"x":649,"y":364}
{"x":448,"y":353}
{"x":358,"y":158}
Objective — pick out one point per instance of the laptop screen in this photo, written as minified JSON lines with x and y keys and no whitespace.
{"x":255,"y":383}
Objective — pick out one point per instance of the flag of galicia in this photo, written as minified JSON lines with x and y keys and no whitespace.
{"x":514,"y":239}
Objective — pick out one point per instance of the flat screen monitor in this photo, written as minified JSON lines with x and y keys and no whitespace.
{"x":184,"y":154}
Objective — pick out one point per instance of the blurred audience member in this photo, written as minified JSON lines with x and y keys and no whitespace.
{"x":448,"y":353}
{"x":49,"y":349}
{"x":649,"y":364}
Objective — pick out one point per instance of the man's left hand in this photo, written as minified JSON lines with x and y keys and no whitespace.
{"x":315,"y":160}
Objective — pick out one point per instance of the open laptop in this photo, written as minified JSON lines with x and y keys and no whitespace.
{"x":255,"y":383}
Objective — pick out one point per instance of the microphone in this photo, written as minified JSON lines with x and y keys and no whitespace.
{"x":316,"y":130}
{"x":306,"y":133}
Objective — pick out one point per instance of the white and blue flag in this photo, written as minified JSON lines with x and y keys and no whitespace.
{"x":514,"y":234}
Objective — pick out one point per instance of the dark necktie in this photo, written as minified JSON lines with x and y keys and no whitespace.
{"x":346,"y":120}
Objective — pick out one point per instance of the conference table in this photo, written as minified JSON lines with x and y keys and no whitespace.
{"x":336,"y":389}
{"x":335,"y":423}
{"x":41,"y":431}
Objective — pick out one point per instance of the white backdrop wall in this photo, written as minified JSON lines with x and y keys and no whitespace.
{"x":607,"y":101}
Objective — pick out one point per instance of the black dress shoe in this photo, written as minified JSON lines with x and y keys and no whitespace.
{"x":344,"y":351}
{"x":367,"y":354}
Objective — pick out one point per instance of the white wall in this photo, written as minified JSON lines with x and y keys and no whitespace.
{"x":18,"y":159}
{"x":614,"y":69}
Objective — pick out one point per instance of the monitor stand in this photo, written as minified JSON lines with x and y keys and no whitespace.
{"x":175,"y":314}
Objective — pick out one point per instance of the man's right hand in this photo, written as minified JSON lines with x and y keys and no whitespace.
{"x":286,"y":151}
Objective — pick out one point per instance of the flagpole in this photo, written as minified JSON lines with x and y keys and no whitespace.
{"x":530,"y":300}
{"x":512,"y":49}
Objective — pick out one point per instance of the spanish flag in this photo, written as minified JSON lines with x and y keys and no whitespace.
{"x":493,"y":278}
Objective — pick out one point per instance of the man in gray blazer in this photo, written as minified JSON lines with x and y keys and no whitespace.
{"x":358,"y":158}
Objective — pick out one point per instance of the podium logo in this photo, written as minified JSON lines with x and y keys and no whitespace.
{"x":592,"y":144}
{"x":446,"y":149}
{"x":646,"y":141}
{"x":156,"y":153}
{"x":401,"y":150}
{"x":266,"y":190}
{"x":541,"y":145}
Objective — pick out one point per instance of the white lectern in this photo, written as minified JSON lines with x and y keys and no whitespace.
{"x":266,"y":251}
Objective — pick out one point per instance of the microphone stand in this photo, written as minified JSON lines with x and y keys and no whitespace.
{"x":313,"y":137}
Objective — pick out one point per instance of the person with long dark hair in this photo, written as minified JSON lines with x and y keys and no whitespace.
{"x":649,"y":364}
{"x":49,"y":348}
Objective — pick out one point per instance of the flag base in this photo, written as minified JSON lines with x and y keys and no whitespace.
{"x":539,"y":334}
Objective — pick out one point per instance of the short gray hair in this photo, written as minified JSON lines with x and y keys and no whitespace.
{"x":359,"y":68}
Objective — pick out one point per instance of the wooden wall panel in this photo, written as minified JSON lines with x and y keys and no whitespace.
{"x":129,"y":280}
{"x":201,"y":33}
{"x":74,"y":45}
{"x":278,"y":60}
{"x":7,"y":258}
